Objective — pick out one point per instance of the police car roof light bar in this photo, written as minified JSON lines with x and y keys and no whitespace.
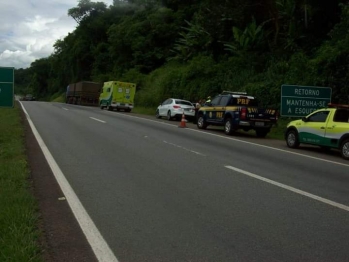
{"x":233,"y":93}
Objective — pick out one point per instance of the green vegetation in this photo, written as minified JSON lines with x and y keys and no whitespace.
{"x":18,"y":215}
{"x":144,"y":110}
{"x":194,"y":48}
{"x":278,"y":131}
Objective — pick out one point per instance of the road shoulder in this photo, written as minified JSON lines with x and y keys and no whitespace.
{"x":61,"y":236}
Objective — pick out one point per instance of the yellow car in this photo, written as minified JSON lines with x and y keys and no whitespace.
{"x":327,"y":128}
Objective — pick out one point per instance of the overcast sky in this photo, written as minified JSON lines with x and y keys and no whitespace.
{"x":29,"y":28}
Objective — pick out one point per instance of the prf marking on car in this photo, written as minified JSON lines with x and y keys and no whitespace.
{"x":243,"y":101}
{"x":219,"y":114}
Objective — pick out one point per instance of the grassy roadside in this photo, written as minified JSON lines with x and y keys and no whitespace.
{"x":18,"y":216}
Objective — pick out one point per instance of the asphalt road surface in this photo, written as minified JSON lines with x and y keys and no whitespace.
{"x":157,"y":192}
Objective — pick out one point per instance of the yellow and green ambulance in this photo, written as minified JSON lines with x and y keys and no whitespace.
{"x":117,"y":95}
{"x":326,"y":127}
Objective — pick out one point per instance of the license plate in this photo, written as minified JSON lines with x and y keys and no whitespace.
{"x":259,"y":123}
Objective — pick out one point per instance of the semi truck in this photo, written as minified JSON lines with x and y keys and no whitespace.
{"x":117,"y":95}
{"x":83,"y":93}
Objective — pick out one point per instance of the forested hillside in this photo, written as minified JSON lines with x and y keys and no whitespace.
{"x":194,"y":48}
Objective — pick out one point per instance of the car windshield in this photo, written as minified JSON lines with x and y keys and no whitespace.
{"x":182,"y":102}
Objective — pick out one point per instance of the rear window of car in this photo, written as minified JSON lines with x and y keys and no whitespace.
{"x":181,"y":102}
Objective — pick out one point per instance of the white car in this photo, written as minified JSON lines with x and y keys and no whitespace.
{"x":174,"y":108}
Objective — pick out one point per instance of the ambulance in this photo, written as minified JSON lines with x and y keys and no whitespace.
{"x":117,"y":95}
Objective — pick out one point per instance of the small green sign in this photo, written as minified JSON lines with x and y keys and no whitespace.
{"x":6,"y":87}
{"x":298,"y":101}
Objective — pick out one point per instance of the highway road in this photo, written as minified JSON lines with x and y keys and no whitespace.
{"x":157,"y":192}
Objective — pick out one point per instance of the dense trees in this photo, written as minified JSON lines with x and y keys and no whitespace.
{"x":192,"y":48}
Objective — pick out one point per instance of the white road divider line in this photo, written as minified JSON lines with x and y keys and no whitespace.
{"x":186,"y":149}
{"x":97,"y":119}
{"x":65,"y":108}
{"x":99,"y":246}
{"x":295,"y":190}
{"x":235,"y":139}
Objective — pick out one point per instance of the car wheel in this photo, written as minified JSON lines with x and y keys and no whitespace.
{"x":345,"y":149}
{"x":157,"y":114}
{"x":228,"y":126}
{"x":201,"y":123}
{"x":169,"y":117}
{"x":292,"y":139}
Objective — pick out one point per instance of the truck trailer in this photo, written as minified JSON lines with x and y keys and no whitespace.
{"x":83,"y":93}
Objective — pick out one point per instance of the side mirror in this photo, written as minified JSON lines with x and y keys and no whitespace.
{"x":304,"y":119}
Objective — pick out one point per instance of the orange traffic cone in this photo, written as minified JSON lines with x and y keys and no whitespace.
{"x":183,"y":121}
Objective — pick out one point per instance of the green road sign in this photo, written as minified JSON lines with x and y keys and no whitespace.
{"x":6,"y":86}
{"x":298,"y":101}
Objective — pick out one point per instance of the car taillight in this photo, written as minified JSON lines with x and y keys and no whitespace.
{"x":176,"y":106}
{"x":243,"y":113}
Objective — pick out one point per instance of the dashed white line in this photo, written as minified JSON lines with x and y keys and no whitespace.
{"x":65,"y":108}
{"x":237,"y":140}
{"x":96,"y":119}
{"x":186,"y":149}
{"x":295,"y":190}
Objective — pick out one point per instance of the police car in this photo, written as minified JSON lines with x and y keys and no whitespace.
{"x":234,"y":111}
{"x":326,"y":127}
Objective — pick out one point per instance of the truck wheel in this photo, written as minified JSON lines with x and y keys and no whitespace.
{"x":201,"y":123}
{"x":109,"y":108}
{"x":101,"y":106}
{"x":228,"y":126}
{"x":262,"y":132}
{"x":345,"y":149}
{"x":292,"y":140}
{"x":169,"y":117}
{"x":157,"y":114}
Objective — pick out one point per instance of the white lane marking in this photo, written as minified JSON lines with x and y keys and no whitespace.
{"x":94,"y":237}
{"x":97,"y":119}
{"x":241,"y":141}
{"x":295,"y":190}
{"x":65,"y":108}
{"x":181,"y":147}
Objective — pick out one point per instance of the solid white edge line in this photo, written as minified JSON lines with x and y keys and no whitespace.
{"x":242,"y":141}
{"x":295,"y":190}
{"x":94,"y":237}
{"x":97,"y":119}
